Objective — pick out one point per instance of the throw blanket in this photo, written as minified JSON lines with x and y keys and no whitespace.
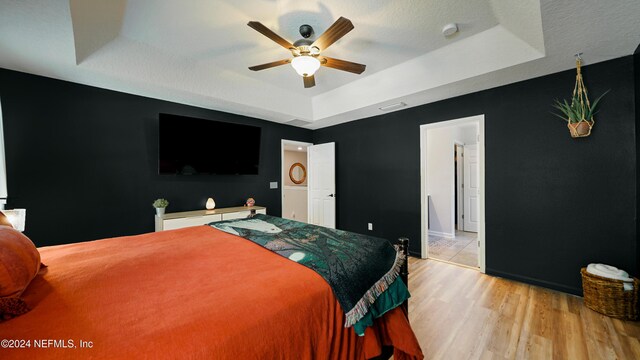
{"x":357,"y":267}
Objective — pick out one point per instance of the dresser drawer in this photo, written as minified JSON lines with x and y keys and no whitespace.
{"x":171,"y":224}
{"x":236,"y":215}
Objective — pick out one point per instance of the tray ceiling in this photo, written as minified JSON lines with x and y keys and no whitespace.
{"x":197,"y":52}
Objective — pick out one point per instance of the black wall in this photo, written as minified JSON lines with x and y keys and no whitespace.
{"x":553,"y":203}
{"x":636,"y":73}
{"x":83,"y":160}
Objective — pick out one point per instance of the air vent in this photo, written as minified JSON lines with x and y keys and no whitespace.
{"x":298,"y":122}
{"x":393,"y":106}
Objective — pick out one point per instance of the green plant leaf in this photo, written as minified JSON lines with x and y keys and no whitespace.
{"x":592,"y":110}
{"x":575,"y":111}
{"x":558,"y":115}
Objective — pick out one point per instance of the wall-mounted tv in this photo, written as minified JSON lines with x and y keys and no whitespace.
{"x":190,"y":146}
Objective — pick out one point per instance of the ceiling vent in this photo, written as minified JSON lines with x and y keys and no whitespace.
{"x":298,"y":122}
{"x":393,"y":107}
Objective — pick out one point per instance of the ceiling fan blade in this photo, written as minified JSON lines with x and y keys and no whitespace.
{"x":309,"y":81}
{"x":342,"y":65}
{"x":257,"y":26}
{"x":339,"y":29}
{"x":269,"y":65}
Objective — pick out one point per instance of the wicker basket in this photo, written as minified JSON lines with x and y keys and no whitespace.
{"x":607,"y":296}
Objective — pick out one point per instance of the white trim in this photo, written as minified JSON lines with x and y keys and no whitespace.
{"x":455,"y":206}
{"x":424,"y":197}
{"x":424,"y":213}
{"x":3,"y":167}
{"x":284,"y":142}
{"x":442,"y":234}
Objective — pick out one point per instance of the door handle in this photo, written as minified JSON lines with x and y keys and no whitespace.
{"x":332,"y":195}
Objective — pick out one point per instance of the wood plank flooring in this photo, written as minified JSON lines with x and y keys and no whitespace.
{"x":460,"y":313}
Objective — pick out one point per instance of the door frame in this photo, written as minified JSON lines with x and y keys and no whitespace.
{"x":478,"y":119}
{"x":4,"y":194}
{"x":284,"y":142}
{"x":459,"y":170}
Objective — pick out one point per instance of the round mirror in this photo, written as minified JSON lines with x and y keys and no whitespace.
{"x":297,"y":173}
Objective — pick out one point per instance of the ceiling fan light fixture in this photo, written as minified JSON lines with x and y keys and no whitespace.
{"x":305,"y":51}
{"x":305,"y":65}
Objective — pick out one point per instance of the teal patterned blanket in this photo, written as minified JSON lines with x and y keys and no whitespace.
{"x":358,"y":268}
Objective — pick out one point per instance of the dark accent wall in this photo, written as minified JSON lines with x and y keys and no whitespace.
{"x":83,"y":160}
{"x":636,"y":76}
{"x":553,"y":203}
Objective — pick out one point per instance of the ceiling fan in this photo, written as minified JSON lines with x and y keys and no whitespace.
{"x":306,"y":58}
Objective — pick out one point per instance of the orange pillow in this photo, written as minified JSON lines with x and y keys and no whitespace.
{"x":19,"y":264}
{"x":4,"y":220}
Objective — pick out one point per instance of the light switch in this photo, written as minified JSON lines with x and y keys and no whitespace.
{"x":370,"y":226}
{"x":273,"y":185}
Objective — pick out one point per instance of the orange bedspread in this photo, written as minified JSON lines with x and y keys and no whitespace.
{"x":189,"y":293}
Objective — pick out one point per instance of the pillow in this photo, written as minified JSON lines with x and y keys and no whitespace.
{"x":4,"y":220}
{"x":19,"y":264}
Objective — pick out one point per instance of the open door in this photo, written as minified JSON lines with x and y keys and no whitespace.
{"x":321,"y":182}
{"x":471,"y":188}
{"x":459,"y":187}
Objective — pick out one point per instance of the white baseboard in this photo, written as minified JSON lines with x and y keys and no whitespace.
{"x":441,"y":234}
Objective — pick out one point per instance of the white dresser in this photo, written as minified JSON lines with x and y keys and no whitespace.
{"x":183,"y":219}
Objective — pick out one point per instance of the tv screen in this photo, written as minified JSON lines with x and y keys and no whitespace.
{"x":190,"y":146}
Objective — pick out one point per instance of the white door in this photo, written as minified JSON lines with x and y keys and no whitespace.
{"x":459,"y":186}
{"x":471,"y":188}
{"x":321,"y":182}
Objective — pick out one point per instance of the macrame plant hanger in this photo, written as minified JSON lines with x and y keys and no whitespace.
{"x":583,"y":127}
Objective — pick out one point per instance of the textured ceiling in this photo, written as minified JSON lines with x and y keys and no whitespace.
{"x":197,"y":52}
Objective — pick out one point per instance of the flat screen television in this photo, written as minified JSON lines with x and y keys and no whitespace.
{"x":190,"y":146}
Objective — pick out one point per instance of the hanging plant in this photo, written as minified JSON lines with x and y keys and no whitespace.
{"x":579,"y":112}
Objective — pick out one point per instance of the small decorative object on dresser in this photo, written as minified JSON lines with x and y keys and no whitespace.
{"x":160,"y":205}
{"x":210,"y":204}
{"x":250,"y":202}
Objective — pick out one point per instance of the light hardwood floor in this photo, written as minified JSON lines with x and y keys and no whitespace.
{"x":460,"y":313}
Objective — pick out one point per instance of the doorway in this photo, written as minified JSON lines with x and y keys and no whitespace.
{"x":452,"y":191}
{"x":294,"y":180}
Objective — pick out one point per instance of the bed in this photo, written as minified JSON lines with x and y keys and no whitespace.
{"x":197,"y":293}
